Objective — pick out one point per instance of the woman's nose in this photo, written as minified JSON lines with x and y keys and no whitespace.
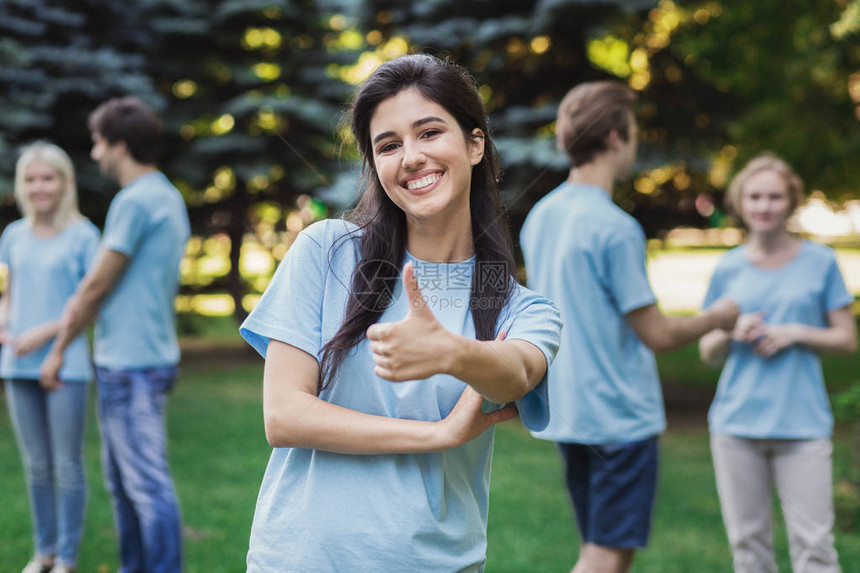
{"x":412,"y":155}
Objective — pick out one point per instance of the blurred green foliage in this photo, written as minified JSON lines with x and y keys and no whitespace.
{"x":846,"y":404}
{"x":252,"y":93}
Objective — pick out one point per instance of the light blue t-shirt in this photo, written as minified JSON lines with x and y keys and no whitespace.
{"x":44,"y":273}
{"x":781,"y":397}
{"x":321,"y":512}
{"x":147,"y":221}
{"x":588,"y":256}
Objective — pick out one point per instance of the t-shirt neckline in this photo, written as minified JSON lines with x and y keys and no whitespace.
{"x":415,"y":259}
{"x":789,"y":263}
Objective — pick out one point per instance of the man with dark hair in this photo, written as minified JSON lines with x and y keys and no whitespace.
{"x":133,"y":282}
{"x":128,"y":119}
{"x":588,"y":256}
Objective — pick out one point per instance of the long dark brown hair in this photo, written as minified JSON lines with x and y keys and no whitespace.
{"x":382,"y":241}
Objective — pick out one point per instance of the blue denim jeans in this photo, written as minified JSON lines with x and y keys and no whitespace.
{"x":134,"y":455}
{"x":49,"y":427}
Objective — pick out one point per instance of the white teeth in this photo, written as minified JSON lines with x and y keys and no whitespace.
{"x":424,"y":181}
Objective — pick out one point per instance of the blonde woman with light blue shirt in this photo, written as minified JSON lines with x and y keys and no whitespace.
{"x":770,"y":420}
{"x":47,"y":253}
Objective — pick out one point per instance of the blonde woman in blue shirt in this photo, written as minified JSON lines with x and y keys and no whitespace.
{"x":47,"y":253}
{"x":770,"y":421}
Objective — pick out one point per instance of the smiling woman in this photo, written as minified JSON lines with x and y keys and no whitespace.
{"x":47,"y":253}
{"x":376,"y":383}
{"x":770,"y":420}
{"x":424,"y":163}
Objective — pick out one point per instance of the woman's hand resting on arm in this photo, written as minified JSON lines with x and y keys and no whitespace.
{"x":295,"y":417}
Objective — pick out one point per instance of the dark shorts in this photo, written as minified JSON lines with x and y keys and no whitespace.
{"x":612,"y":487}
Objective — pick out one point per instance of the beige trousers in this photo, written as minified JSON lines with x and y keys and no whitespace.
{"x":747,"y":471}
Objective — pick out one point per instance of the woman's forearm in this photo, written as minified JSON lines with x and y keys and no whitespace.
{"x":838,"y":337}
{"x":301,"y":420}
{"x":828,"y":340}
{"x":295,"y":417}
{"x":503,"y":371}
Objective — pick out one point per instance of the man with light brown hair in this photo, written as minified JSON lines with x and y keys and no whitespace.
{"x":588,"y":256}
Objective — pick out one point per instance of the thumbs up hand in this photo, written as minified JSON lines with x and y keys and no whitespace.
{"x":413,"y":348}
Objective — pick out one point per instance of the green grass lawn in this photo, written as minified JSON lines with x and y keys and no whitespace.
{"x":218,"y":453}
{"x":531,"y":525}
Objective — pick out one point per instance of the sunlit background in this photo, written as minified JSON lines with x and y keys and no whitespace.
{"x":253,"y":93}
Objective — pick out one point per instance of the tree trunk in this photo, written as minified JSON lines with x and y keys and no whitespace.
{"x":236,"y":232}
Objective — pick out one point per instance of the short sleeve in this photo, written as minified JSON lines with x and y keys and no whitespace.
{"x":290,"y":309}
{"x":836,"y":294}
{"x":125,"y":227}
{"x":716,"y":287}
{"x":627,"y":276}
{"x":536,"y":320}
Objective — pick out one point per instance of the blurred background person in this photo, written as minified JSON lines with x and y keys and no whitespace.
{"x":588,"y":256}
{"x":47,"y":253}
{"x":770,"y":420}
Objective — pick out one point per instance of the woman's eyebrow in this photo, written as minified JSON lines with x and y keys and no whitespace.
{"x":416,"y":123}
{"x":428,"y":119}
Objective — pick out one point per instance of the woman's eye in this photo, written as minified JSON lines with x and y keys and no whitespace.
{"x":430,"y":133}
{"x":387,"y":147}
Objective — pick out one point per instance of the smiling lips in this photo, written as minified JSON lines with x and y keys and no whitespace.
{"x":423,"y":183}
